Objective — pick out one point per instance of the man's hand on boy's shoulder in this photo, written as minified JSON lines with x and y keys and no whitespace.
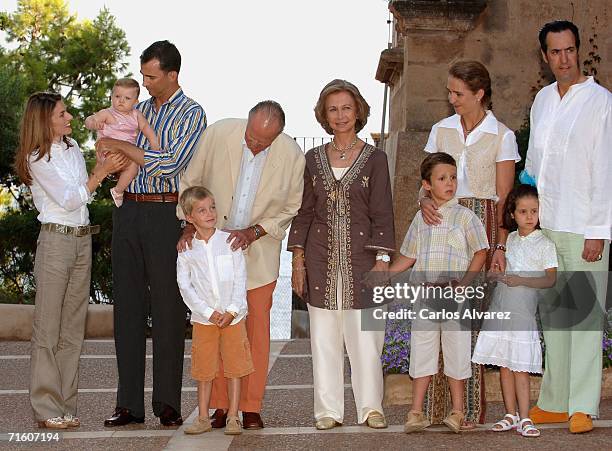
{"x":184,"y":242}
{"x":241,"y":239}
{"x":429,"y":210}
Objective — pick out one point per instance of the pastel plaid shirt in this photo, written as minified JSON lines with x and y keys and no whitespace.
{"x":446,"y":248}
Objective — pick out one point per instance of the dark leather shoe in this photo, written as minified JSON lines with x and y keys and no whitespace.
{"x":170,"y":417}
{"x":121,"y":417}
{"x":251,"y":420}
{"x":218,"y":419}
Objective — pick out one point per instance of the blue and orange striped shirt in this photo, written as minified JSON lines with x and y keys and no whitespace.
{"x":179,"y":123}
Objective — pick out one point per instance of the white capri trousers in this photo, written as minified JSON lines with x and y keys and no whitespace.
{"x":330,"y":331}
{"x":425,"y":341}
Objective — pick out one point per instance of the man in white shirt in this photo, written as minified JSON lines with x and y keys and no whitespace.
{"x":256,"y":174}
{"x":569,"y":156}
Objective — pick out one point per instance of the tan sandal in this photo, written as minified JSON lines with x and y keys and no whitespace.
{"x":72,"y":421}
{"x":415,"y":421}
{"x":325,"y":423}
{"x":199,"y":426}
{"x":376,"y":420}
{"x":454,"y":421}
{"x":53,"y":423}
{"x":232,"y":426}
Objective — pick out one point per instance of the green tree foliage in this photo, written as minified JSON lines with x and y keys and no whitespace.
{"x":48,"y":48}
{"x":12,"y":93}
{"x":19,"y":230}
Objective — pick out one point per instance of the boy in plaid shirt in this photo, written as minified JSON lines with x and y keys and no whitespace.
{"x":456,"y":246}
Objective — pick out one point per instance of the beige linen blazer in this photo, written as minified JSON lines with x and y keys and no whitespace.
{"x":216,"y":166}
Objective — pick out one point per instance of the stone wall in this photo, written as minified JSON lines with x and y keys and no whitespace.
{"x":502,"y":34}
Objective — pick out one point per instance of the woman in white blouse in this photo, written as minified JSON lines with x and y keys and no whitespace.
{"x":52,"y":165}
{"x":486,"y":153}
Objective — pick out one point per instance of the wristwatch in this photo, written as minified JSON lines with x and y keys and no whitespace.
{"x":383,"y":257}
{"x":501,"y":247}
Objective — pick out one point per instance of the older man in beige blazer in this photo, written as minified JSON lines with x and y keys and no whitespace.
{"x":255,"y":173}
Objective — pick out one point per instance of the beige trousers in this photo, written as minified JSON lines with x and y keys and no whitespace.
{"x":330,"y":331}
{"x":62,"y":271}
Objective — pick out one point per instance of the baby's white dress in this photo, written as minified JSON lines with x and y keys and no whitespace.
{"x":514,"y":343}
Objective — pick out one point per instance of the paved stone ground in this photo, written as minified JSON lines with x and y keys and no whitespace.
{"x":287,"y":412}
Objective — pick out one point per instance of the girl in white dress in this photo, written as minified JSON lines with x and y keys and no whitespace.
{"x":513,"y":342}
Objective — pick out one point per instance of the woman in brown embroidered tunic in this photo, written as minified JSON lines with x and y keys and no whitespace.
{"x":486,"y":153}
{"x":344,"y":229}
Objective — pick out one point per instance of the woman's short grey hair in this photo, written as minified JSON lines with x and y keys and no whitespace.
{"x":334,"y":86}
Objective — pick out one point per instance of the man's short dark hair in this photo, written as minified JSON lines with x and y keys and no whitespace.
{"x":558,"y":26}
{"x":432,"y":160}
{"x":166,"y":53}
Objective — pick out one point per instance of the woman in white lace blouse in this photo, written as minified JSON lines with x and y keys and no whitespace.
{"x":486,"y":153}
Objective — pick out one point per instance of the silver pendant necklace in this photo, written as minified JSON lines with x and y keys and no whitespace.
{"x":344,"y":150}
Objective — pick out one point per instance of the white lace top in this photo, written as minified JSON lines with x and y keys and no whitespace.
{"x":530,"y":255}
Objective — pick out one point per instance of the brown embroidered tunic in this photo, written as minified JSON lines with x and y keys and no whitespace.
{"x":341,"y":225}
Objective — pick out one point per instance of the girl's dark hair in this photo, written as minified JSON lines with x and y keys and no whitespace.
{"x":517,"y":193}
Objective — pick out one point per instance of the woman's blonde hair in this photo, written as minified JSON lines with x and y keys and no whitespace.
{"x":334,"y":86}
{"x":36,"y":132}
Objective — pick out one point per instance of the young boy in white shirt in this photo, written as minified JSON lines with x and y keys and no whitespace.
{"x":212,"y":281}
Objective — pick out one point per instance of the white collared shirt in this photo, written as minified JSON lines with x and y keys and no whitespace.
{"x":212,"y":278}
{"x":251,"y":168}
{"x":570,"y":153}
{"x":59,"y":185}
{"x":508,"y":151}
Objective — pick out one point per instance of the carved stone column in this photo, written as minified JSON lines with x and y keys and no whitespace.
{"x":429,"y":34}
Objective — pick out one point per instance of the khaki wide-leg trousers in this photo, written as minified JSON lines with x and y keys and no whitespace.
{"x":62,"y":271}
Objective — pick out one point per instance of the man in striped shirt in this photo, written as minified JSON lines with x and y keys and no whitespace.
{"x":145,"y":233}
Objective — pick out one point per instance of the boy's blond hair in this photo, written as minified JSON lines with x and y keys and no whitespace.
{"x":191,"y":195}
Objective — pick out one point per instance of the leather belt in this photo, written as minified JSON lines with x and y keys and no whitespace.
{"x":156,"y":197}
{"x":70,"y":230}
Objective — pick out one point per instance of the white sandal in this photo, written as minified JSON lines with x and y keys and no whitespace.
{"x":527,"y":430}
{"x":506,"y":425}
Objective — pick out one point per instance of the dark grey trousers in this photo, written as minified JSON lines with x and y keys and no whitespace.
{"x":144,"y":281}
